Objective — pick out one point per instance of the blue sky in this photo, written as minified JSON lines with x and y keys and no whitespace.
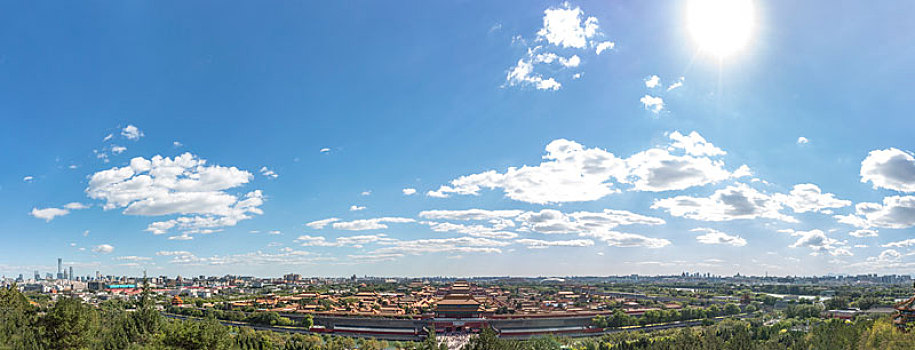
{"x":535,"y":137}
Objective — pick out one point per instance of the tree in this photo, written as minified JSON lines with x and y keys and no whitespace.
{"x":17,"y":320}
{"x":70,"y":324}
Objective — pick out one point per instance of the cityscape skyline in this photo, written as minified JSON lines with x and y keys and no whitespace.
{"x":544,"y":139}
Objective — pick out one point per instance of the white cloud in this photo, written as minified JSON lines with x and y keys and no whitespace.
{"x":567,"y":27}
{"x":819,"y":243}
{"x":48,"y":214}
{"x":354,"y":241}
{"x":75,"y":206}
{"x":471,"y":230}
{"x":28,"y":179}
{"x":273,"y":232}
{"x":652,"y":82}
{"x":802,"y":140}
{"x":808,"y":198}
{"x":319,"y":224}
{"x":173,"y":253}
{"x":103,"y":248}
{"x":693,"y":144}
{"x":356,"y":208}
{"x":657,"y":170}
{"x":603,"y":46}
{"x":863,"y":233}
{"x":469,"y":214}
{"x":108,"y":137}
{"x":901,"y":244}
{"x":325,"y":150}
{"x":177,"y":144}
{"x":115,"y":149}
{"x":131,"y":133}
{"x":621,"y":239}
{"x":269,"y":173}
{"x":712,"y":236}
{"x":133,"y":258}
{"x":676,"y":84}
{"x":289,"y":257}
{"x":540,"y":244}
{"x":443,"y":245}
{"x":373,"y":258}
{"x":184,"y":185}
{"x":523,"y":74}
{"x":564,"y":29}
{"x":896,"y":212}
{"x":369,"y":224}
{"x":734,"y":202}
{"x":409,"y":191}
{"x":891,"y":169}
{"x":572,"y":173}
{"x":652,"y":103}
{"x":366,"y":193}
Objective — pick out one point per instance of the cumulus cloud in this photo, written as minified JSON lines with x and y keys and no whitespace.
{"x":288,"y":257}
{"x":355,"y":208}
{"x":471,"y":230}
{"x":369,"y":224}
{"x":819,"y":243}
{"x":103,"y":248}
{"x":808,"y":198}
{"x":269,"y":173}
{"x":131,"y":133}
{"x":133,"y":258}
{"x":353,"y":241}
{"x":115,"y":149}
{"x":621,"y":239}
{"x":27,"y":179}
{"x":564,"y":29}
{"x":319,"y":224}
{"x":901,"y":244}
{"x":863,"y":233}
{"x":48,"y":214}
{"x":676,"y":84}
{"x":325,"y":150}
{"x":409,"y":191}
{"x":652,"y":103}
{"x":734,"y":202}
{"x":444,"y":245}
{"x":802,"y":140}
{"x":895,"y":212}
{"x":184,"y":185}
{"x":693,"y":144}
{"x":75,"y":206}
{"x":572,"y":173}
{"x":652,"y":82}
{"x":713,"y":236}
{"x":469,"y":214}
{"x":541,"y":244}
{"x":891,"y":169}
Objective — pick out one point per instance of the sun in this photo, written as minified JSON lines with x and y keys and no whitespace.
{"x":720,"y":27}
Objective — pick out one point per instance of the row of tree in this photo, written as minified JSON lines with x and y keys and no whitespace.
{"x":621,"y":319}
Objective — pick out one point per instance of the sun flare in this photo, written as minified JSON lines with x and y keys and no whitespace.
{"x":720,"y":27}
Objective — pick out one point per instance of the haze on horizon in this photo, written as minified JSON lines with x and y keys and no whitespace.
{"x":458,"y":139}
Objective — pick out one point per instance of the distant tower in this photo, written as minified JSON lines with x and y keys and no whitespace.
{"x":72,"y":277}
{"x":37,"y":275}
{"x":60,"y":271}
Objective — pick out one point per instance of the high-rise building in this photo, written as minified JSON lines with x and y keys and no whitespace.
{"x":72,"y":277}
{"x":60,"y":271}
{"x":37,"y":275}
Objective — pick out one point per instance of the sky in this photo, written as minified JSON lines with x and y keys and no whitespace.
{"x":457,"y":138}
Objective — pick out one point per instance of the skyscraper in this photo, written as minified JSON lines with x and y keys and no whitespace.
{"x":71,"y":273}
{"x":60,"y":271}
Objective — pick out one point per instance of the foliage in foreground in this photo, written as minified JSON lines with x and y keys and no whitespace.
{"x":72,"y":324}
